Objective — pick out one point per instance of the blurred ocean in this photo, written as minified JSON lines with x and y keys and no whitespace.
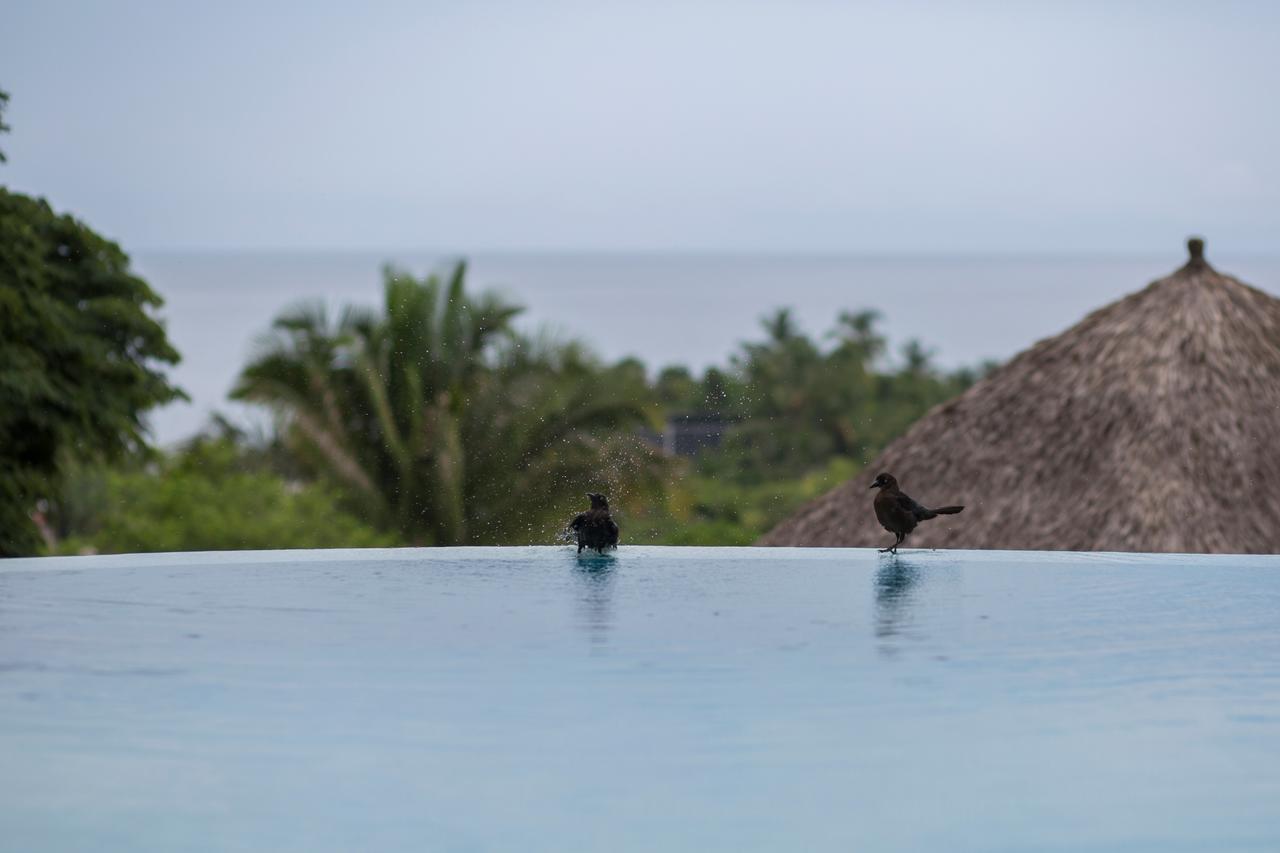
{"x":691,"y":309}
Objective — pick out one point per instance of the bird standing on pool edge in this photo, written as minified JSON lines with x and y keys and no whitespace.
{"x":595,"y":528}
{"x":898,"y":513}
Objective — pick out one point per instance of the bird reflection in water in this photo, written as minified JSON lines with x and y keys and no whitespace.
{"x":595,"y":576}
{"x":895,"y":595}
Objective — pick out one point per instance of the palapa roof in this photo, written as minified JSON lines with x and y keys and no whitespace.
{"x":1153,"y":424}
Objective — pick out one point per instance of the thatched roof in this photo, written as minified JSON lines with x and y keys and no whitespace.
{"x":1153,"y":424}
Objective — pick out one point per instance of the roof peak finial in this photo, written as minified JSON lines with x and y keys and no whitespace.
{"x":1195,"y":248}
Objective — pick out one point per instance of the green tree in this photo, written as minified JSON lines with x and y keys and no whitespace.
{"x":796,"y":403}
{"x":676,"y":387}
{"x":210,"y":496}
{"x":81,"y":357}
{"x":441,"y":421}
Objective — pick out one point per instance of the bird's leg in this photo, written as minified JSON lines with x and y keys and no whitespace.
{"x":893,"y":549}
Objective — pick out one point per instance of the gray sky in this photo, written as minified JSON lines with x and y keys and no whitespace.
{"x":884,"y":127}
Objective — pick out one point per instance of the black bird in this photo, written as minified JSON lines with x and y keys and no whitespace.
{"x":595,"y":528}
{"x":898,"y":513}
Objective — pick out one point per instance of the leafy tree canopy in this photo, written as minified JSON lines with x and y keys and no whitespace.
{"x":212,"y":495}
{"x":793,"y":403}
{"x":445,"y":424}
{"x":80,"y":356}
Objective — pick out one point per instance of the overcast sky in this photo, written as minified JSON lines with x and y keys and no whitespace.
{"x":884,"y":127}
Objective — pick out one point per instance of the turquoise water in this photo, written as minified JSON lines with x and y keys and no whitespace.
{"x":656,"y":699}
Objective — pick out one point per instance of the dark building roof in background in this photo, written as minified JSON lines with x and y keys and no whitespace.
{"x":1151,"y":425}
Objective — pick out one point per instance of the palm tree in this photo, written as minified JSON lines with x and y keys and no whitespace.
{"x":442,"y":421}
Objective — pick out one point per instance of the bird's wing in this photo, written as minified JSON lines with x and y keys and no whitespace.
{"x":613,"y":531}
{"x":909,"y":506}
{"x":578,"y":520}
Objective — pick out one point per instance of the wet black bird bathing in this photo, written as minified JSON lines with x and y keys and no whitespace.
{"x":898,"y":513}
{"x":595,"y":528}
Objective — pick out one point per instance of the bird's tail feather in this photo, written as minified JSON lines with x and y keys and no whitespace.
{"x":948,"y":510}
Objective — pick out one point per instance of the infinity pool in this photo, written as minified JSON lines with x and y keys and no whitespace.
{"x":518,"y":699}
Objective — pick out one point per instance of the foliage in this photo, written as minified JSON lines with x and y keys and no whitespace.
{"x":441,"y":421}
{"x":710,"y":510}
{"x":212,"y":495}
{"x":4,"y":128}
{"x":794,"y":404}
{"x":430,"y":421}
{"x":800,"y":418}
{"x":80,"y":357}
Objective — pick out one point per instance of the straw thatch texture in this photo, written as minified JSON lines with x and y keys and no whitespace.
{"x":1151,"y":425}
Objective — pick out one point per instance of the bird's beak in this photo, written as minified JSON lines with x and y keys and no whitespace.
{"x":873,"y":485}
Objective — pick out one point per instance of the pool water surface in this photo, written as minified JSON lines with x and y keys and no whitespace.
{"x":653,"y":699}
